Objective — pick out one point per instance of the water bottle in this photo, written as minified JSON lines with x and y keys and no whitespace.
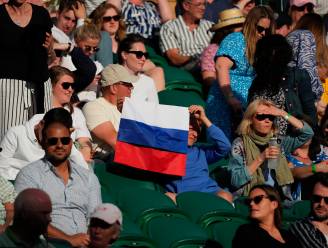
{"x":273,"y":162}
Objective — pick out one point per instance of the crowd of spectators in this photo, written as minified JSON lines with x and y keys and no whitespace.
{"x":68,"y":65}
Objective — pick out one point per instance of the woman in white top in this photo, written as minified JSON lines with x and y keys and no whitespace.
{"x":132,"y":55}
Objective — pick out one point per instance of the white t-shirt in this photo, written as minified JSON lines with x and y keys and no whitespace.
{"x":145,"y":89}
{"x":98,"y":112}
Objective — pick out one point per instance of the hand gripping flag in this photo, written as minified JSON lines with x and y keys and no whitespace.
{"x":153,"y":137}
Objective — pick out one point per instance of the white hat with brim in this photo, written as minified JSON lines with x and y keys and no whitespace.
{"x":300,"y":3}
{"x":227,"y":18}
{"x":115,"y":73}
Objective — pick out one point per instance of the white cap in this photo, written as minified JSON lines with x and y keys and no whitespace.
{"x":109,"y":213}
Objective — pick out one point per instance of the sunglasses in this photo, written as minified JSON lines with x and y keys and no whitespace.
{"x":257,"y":199}
{"x":110,"y":18}
{"x":262,"y":117}
{"x":66,"y":85}
{"x":54,"y":141}
{"x":261,"y":29}
{"x":309,"y":7}
{"x":139,"y":54}
{"x":90,"y":48}
{"x":318,"y":198}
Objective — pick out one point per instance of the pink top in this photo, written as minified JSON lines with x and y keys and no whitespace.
{"x":207,"y":58}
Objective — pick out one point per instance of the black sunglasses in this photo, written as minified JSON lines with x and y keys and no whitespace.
{"x":139,"y":54}
{"x":110,"y":18}
{"x":54,"y":141}
{"x":261,"y":29}
{"x":66,"y":85}
{"x":309,"y":7}
{"x":262,"y":117}
{"x":90,"y":48}
{"x":318,"y":198}
{"x":257,"y":199}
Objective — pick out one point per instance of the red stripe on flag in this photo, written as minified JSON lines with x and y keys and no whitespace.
{"x":150,"y":159}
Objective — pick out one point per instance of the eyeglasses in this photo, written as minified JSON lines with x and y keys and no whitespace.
{"x":318,"y":198}
{"x":66,"y":85}
{"x":128,"y":85}
{"x":262,"y":117}
{"x":54,"y":141}
{"x":309,"y":7}
{"x":261,"y":29}
{"x":90,"y":48}
{"x":110,"y":18}
{"x":139,"y":54}
{"x":257,"y":199}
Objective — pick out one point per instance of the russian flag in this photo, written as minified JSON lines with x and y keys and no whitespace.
{"x":153,"y":137}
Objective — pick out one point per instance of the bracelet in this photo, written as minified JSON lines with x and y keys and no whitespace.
{"x":313,"y":168}
{"x":286,"y":117}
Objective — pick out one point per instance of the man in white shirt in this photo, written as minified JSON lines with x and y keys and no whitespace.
{"x":103,"y":115}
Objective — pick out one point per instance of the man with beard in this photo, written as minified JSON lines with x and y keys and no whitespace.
{"x":31,"y":219}
{"x":312,"y":231}
{"x":74,"y":191}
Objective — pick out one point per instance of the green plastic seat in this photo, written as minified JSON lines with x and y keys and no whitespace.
{"x":206,"y":209}
{"x":114,"y":177}
{"x":180,"y":98}
{"x":170,"y":232}
{"x":59,"y":243}
{"x":132,"y":236}
{"x":224,"y":232}
{"x":301,"y":209}
{"x":241,"y":207}
{"x":142,"y":205}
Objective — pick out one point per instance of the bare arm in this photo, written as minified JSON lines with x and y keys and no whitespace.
{"x":76,"y":240}
{"x":176,"y":58}
{"x":165,"y":10}
{"x":306,"y":171}
{"x":117,"y":3}
{"x":106,"y":133}
{"x":9,"y":208}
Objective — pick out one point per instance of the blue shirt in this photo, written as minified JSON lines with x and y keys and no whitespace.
{"x":73,"y":203}
{"x":198,"y":157}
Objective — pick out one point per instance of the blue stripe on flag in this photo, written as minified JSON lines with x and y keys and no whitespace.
{"x":138,"y":133}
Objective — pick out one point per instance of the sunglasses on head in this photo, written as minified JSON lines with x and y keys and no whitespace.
{"x":110,"y":18}
{"x":257,"y":199}
{"x":139,"y":54}
{"x":262,"y":117}
{"x":90,"y":48}
{"x":54,"y":141}
{"x":318,"y":198}
{"x":261,"y":29}
{"x":66,"y":85}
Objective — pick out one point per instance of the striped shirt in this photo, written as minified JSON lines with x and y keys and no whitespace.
{"x":176,"y":34}
{"x":308,"y":235}
{"x":141,"y":19}
{"x":73,"y":203}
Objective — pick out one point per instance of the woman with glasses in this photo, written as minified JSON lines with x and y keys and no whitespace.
{"x":227,"y":99}
{"x":299,"y":8}
{"x":108,"y":18}
{"x":288,"y":88}
{"x":265,"y":213}
{"x":132,"y":55}
{"x":310,"y":49}
{"x":63,"y":85}
{"x":251,"y":153}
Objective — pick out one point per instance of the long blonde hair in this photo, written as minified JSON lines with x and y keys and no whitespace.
{"x":249,"y":28}
{"x":245,"y":125}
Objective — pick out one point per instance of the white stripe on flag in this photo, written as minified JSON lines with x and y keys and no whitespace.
{"x":159,"y":115}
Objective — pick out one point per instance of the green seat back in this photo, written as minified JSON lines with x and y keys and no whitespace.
{"x":301,"y":209}
{"x":142,"y":205}
{"x":169,"y":232}
{"x":180,"y":98}
{"x":224,"y":232}
{"x":205,"y":208}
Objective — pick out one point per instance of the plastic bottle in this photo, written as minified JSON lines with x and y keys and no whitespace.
{"x":273,"y":162}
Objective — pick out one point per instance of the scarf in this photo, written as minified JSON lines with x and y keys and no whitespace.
{"x":252,"y":142}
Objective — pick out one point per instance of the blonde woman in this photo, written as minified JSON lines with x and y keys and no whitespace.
{"x":234,"y":70}
{"x":250,"y":152}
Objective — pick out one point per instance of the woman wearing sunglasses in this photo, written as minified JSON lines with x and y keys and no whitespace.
{"x":132,"y":55}
{"x":265,"y":212}
{"x":227,"y":99}
{"x":63,"y":86}
{"x":251,"y":152}
{"x":108,"y":18}
{"x":288,"y":88}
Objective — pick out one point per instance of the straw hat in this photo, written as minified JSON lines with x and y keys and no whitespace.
{"x":227,"y":18}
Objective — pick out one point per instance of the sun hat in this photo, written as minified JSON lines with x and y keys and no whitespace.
{"x":115,"y":73}
{"x":300,"y":3}
{"x":227,"y":18}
